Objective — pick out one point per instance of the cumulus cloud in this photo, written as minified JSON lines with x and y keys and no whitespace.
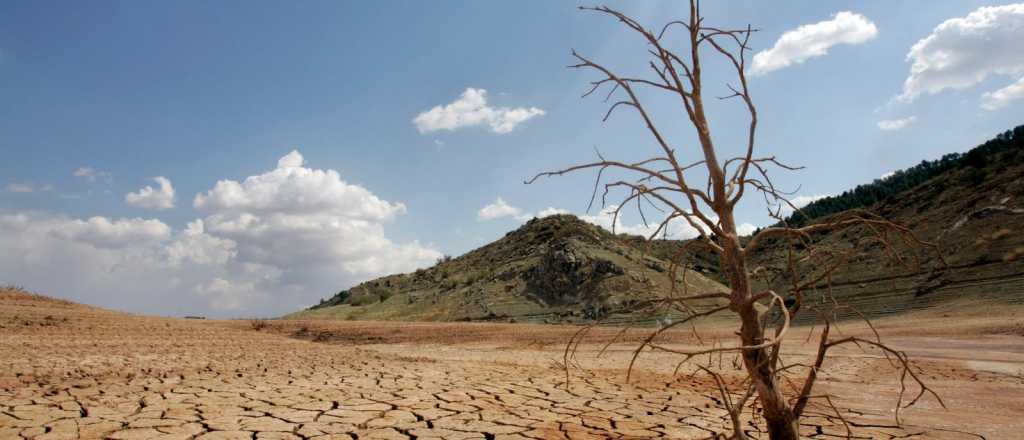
{"x":298,"y":191}
{"x":309,"y":223}
{"x":270,"y":244}
{"x":196,"y":246}
{"x":998,"y":99}
{"x":471,"y":109}
{"x":19,"y":188}
{"x":125,"y":264}
{"x":497,"y":209}
{"x":293,"y":159}
{"x":226,"y":294}
{"x":114,"y":234}
{"x":148,"y":197}
{"x":813,"y":40}
{"x":91,"y":174}
{"x":896,"y":124}
{"x":962,"y":52}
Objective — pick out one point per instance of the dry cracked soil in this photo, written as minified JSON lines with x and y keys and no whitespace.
{"x":69,"y":371}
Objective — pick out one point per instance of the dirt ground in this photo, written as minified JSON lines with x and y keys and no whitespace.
{"x":69,"y":371}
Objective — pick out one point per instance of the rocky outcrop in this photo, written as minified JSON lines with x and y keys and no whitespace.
{"x":567,"y":274}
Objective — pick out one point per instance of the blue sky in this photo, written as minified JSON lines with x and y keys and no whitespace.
{"x":201,"y":92}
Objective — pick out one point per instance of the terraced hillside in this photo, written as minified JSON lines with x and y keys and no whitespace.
{"x":554,"y":269}
{"x":971,"y":208}
{"x":978,"y":228}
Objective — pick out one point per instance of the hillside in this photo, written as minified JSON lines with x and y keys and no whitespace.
{"x":977,"y":224}
{"x":1000,"y":151}
{"x":554,"y":269}
{"x":561,"y":269}
{"x":971,"y":206}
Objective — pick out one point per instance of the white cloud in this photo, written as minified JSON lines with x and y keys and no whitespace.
{"x":86,"y":172}
{"x":745,"y":229}
{"x":887,"y":175}
{"x":148,"y":197}
{"x":91,"y":174}
{"x":547,"y":212}
{"x":196,"y":246}
{"x":309,"y":223}
{"x":19,"y":188}
{"x":801,"y":201}
{"x":813,"y":40}
{"x":116,"y":234}
{"x":297,"y":191}
{"x":271,"y":244}
{"x":506,"y":120}
{"x":500,"y":209}
{"x":127,"y":264}
{"x":228,"y":295}
{"x":497,"y":209}
{"x":896,"y":124}
{"x":998,"y":99}
{"x":471,"y":109}
{"x":961,"y":52}
{"x":291,"y":160}
{"x":677,"y":228}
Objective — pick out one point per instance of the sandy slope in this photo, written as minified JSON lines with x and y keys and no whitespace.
{"x":69,"y":371}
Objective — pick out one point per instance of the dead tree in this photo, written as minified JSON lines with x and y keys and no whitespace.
{"x":707,"y":202}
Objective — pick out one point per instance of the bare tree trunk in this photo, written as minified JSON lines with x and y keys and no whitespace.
{"x":662,"y":181}
{"x":781,"y":422}
{"x":779,"y":418}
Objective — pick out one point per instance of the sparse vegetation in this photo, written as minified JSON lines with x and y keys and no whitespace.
{"x":11,"y":290}
{"x":507,"y":279}
{"x":366,"y":299}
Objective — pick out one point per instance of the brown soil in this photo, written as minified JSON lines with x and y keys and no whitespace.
{"x":70,"y":371}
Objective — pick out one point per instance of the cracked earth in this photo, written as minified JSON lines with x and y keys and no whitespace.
{"x":69,"y":371}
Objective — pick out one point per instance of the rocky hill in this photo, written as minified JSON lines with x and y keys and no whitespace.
{"x":553,"y":269}
{"x":561,"y":269}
